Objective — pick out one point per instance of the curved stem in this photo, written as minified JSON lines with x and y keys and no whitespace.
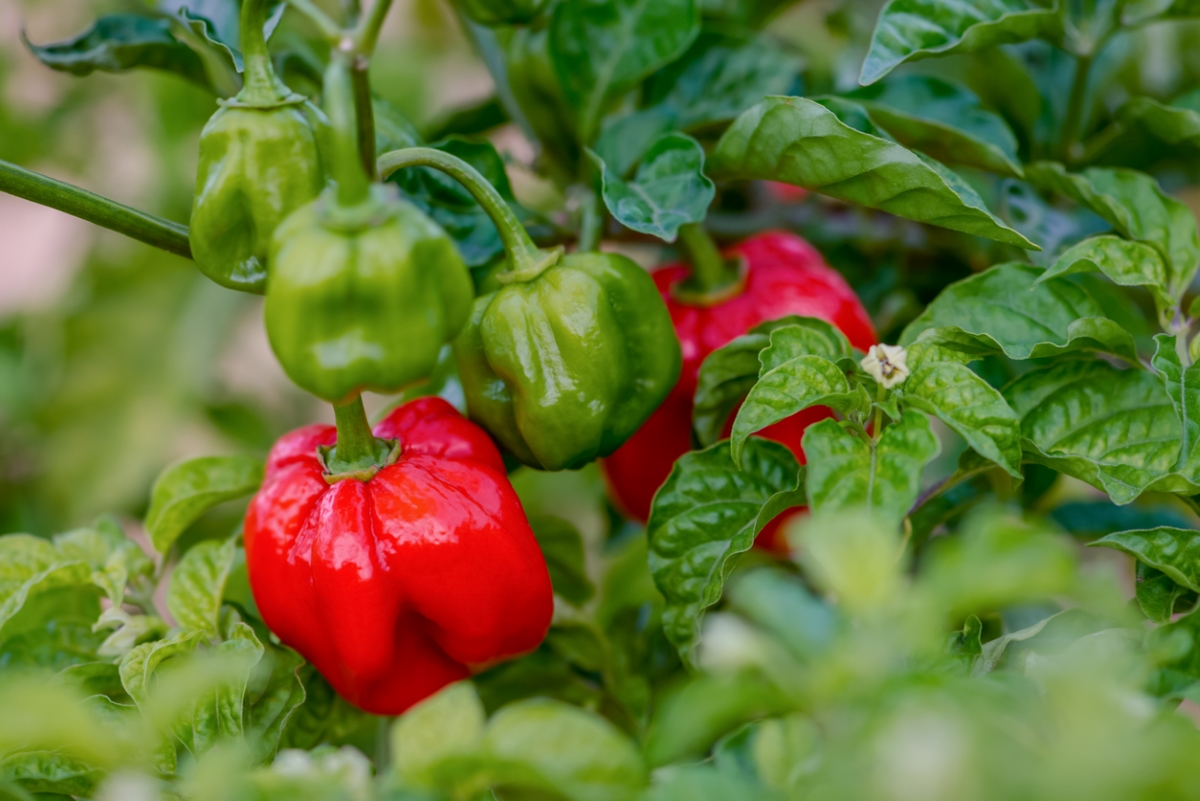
{"x":591,"y":222}
{"x":367,"y":34}
{"x":325,"y":24}
{"x":353,"y":185}
{"x":163,"y":234}
{"x":522,"y":253}
{"x":709,"y":272}
{"x":261,"y":84}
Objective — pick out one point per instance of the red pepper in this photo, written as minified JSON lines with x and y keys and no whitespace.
{"x":784,"y":275}
{"x":396,"y":586}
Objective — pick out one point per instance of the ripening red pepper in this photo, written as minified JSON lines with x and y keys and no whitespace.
{"x":784,"y":275}
{"x":395,"y":586}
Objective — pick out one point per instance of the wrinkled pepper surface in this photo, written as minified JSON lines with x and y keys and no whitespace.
{"x":396,"y":586}
{"x":784,"y":275}
{"x":259,"y":161}
{"x":364,"y":289}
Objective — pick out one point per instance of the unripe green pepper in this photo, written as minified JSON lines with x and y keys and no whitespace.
{"x":258,"y":162}
{"x":364,"y":289}
{"x":502,"y":12}
{"x":571,"y":355}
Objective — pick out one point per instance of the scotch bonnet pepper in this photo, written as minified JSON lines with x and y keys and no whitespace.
{"x":571,"y":355}
{"x":398,"y":585}
{"x":364,"y":288}
{"x":782,"y":275}
{"x":259,"y":161}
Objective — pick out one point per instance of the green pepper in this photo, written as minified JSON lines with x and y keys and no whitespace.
{"x":502,"y":12}
{"x":259,"y":161}
{"x":364,"y":289}
{"x":571,"y":355}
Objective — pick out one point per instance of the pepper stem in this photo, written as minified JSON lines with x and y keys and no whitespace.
{"x":261,"y":86}
{"x":526,"y":260}
{"x":357,"y":452}
{"x":710,"y":273}
{"x":353,"y":185}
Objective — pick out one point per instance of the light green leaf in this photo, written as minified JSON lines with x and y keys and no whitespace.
{"x":1115,"y":429}
{"x":1136,"y":207}
{"x":562,"y":545}
{"x":50,"y":772}
{"x":446,"y":725}
{"x":602,"y":48}
{"x":1126,"y":262}
{"x":218,"y":686}
{"x":846,"y":471}
{"x":706,"y":513}
{"x":958,"y":397}
{"x":728,"y":373}
{"x":943,"y":120}
{"x":187,"y":490}
{"x":29,"y":567}
{"x":669,"y":189}
{"x":909,"y":30}
{"x":799,"y":141}
{"x":275,"y":692}
{"x":1174,"y":551}
{"x":198,"y":584}
{"x":1174,"y":124}
{"x":1183,"y":387}
{"x":792,"y":387}
{"x":1007,"y":310}
{"x":139,"y":665}
{"x":550,"y":745}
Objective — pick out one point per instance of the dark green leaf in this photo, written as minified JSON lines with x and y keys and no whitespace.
{"x":706,"y":513}
{"x":1126,"y":262}
{"x":1183,"y":387}
{"x":187,"y":490}
{"x":1158,"y":595}
{"x":748,"y":13}
{"x":1007,"y":310}
{"x":942,"y":119}
{"x":801,"y":142}
{"x":669,"y":189}
{"x":563,"y":548}
{"x":908,"y":30}
{"x":1174,"y":124}
{"x":1053,"y":228}
{"x":274,"y":693}
{"x":846,"y":471}
{"x":602,"y":48}
{"x":1173,"y":551}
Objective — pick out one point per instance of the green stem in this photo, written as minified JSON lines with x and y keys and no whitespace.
{"x":1074,"y":119}
{"x":356,"y":445}
{"x":325,"y":24}
{"x":366,"y":37}
{"x":1090,"y":150}
{"x":261,"y":86}
{"x":709,"y":271}
{"x":353,"y":185}
{"x":591,"y":222}
{"x":360,"y":76}
{"x":525,"y":258}
{"x":164,"y":234}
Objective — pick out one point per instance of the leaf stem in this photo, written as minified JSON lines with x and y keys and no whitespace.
{"x":28,"y":185}
{"x":325,"y":24}
{"x":366,"y":36}
{"x":1074,"y":119}
{"x":709,"y":273}
{"x":526,"y":260}
{"x":591,"y":222}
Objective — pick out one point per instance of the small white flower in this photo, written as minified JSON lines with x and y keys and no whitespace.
{"x":887,"y":364}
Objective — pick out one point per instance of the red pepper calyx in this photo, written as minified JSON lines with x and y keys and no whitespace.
{"x":337,"y":470}
{"x":689,"y":291}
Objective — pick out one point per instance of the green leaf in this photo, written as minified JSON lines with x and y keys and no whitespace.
{"x":121,"y":42}
{"x":942,"y":119}
{"x":909,"y":30}
{"x":31,"y":567}
{"x":728,"y":373}
{"x":1008,"y":310}
{"x":791,"y":387}
{"x":706,"y":513}
{"x":801,"y":142}
{"x":1136,"y":207}
{"x":1173,"y":551}
{"x":139,"y":665}
{"x":846,"y":471}
{"x":1158,"y":595}
{"x":1174,"y":124}
{"x":670,"y":188}
{"x":216,"y":687}
{"x":198,"y":584}
{"x":187,"y":490}
{"x":274,"y":693}
{"x":1115,"y":429}
{"x":446,"y":725}
{"x":602,"y":48}
{"x":550,"y":745}
{"x":50,"y":772}
{"x":1126,"y":262}
{"x":776,"y":601}
{"x":1183,"y":387}
{"x":562,"y":545}
{"x":961,"y":399}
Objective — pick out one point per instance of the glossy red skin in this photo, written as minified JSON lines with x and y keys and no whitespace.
{"x":395,"y":587}
{"x":785,"y":275}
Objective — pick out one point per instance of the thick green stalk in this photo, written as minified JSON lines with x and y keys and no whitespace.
{"x":353,"y":185}
{"x":164,"y":234}
{"x":709,"y":271}
{"x":367,"y":34}
{"x":360,"y":76}
{"x":525,"y":258}
{"x":357,"y":454}
{"x":261,"y":86}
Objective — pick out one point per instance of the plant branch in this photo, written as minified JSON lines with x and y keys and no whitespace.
{"x":709,"y":272}
{"x":164,"y":234}
{"x":1073,"y":121}
{"x":366,"y":36}
{"x":325,"y":24}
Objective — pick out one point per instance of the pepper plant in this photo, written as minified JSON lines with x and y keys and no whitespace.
{"x":799,"y":507}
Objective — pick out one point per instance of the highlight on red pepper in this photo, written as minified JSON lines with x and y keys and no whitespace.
{"x":396,"y":581}
{"x":777,"y":274}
